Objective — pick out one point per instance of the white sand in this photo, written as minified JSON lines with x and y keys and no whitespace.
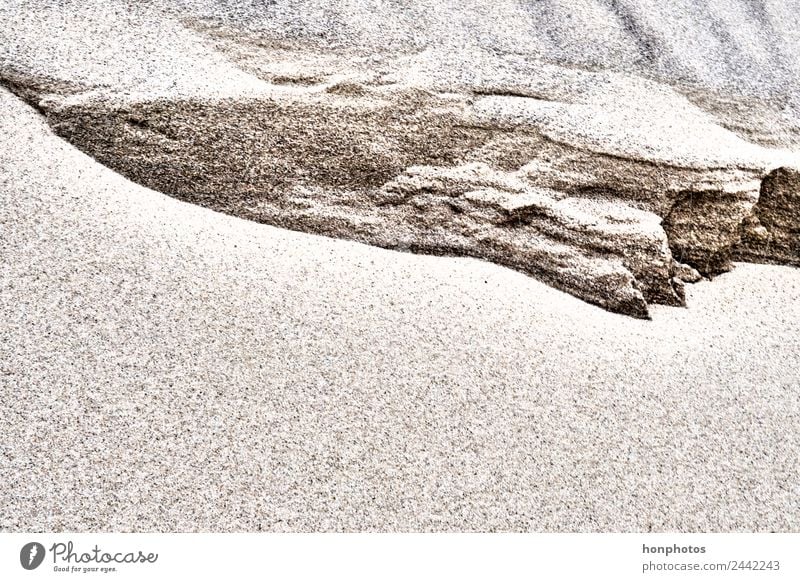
{"x":107,"y":46}
{"x":163,"y":367}
{"x":728,"y":45}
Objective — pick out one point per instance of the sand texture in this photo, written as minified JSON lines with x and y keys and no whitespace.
{"x":617,"y":177}
{"x":180,"y":349}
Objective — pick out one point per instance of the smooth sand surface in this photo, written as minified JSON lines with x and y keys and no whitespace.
{"x":165,"y":367}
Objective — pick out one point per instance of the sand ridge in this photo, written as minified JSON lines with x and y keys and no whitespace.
{"x":168,"y":368}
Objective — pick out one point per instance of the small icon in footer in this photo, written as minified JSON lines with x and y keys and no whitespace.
{"x":31,"y":555}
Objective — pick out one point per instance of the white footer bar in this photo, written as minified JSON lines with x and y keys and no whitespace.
{"x":374,"y":557}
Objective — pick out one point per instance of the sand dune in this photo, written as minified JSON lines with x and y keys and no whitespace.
{"x":166,"y":367}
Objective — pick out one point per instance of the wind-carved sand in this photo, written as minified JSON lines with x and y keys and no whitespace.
{"x":616,"y":189}
{"x":165,"y":367}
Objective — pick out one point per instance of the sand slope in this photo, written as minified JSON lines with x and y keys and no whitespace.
{"x":729,"y":45}
{"x":618,"y":171}
{"x":164,"y":367}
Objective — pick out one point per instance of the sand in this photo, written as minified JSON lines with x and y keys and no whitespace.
{"x":167,"y":368}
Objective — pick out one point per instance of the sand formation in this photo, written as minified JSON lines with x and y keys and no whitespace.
{"x":609,"y":151}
